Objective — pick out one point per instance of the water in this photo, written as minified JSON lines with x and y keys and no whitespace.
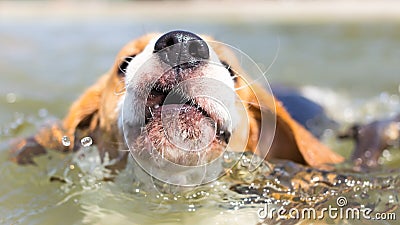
{"x":66,"y":141}
{"x":86,"y":141}
{"x":351,"y":69}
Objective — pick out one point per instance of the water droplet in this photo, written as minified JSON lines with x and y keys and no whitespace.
{"x":65,"y":141}
{"x":86,"y":141}
{"x":391,"y":200}
{"x":228,"y":158}
{"x":11,"y":98}
{"x":245,"y":161}
{"x":191,"y":208}
{"x":315,"y":178}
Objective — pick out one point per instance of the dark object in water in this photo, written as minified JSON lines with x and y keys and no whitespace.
{"x":305,"y":111}
{"x":26,"y":149}
{"x":372,"y":138}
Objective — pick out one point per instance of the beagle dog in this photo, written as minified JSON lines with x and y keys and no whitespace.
{"x":155,"y":95}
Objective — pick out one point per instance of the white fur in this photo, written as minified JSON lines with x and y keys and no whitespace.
{"x":139,"y":84}
{"x":141,"y":74}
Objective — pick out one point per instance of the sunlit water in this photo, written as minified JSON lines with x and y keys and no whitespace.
{"x":352,"y":70}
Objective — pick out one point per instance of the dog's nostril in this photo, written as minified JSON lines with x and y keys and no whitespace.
{"x":198,"y":49}
{"x":181,"y":47}
{"x":170,"y":42}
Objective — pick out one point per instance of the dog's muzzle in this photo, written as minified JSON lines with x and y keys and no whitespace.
{"x":171,"y":105}
{"x":180,"y":108}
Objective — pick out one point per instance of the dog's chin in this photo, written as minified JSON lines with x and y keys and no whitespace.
{"x":181,"y":134}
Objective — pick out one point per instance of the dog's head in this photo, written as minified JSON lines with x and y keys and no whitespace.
{"x":172,"y":94}
{"x":182,"y":96}
{"x":185,"y":98}
{"x":180,"y":101}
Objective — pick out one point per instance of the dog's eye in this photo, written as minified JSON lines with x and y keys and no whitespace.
{"x":229,"y":68}
{"x":124,"y":65}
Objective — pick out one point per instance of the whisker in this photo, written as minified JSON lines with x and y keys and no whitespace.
{"x":275,"y":57}
{"x":234,"y":77}
{"x":151,"y":112}
{"x":122,"y":91}
{"x":254,"y":104}
{"x":248,"y":84}
{"x":248,"y":104}
{"x":237,"y":74}
{"x":124,"y":60}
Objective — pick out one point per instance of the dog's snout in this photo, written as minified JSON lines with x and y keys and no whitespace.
{"x":178,"y":48}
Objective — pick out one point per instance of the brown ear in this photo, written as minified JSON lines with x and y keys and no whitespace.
{"x":83,"y":116}
{"x":291,"y":141}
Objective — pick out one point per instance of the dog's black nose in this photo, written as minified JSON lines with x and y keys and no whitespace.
{"x":181,"y":48}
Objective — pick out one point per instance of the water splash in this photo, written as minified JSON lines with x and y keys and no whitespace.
{"x":345,"y":109}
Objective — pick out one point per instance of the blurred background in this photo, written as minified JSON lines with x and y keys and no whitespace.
{"x":343,"y":54}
